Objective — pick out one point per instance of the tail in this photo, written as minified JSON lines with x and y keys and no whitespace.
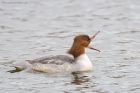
{"x":17,"y":69}
{"x":20,"y":66}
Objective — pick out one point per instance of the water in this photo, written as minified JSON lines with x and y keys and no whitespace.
{"x":31,"y":29}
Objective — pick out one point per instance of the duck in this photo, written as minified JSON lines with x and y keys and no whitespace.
{"x":76,"y":60}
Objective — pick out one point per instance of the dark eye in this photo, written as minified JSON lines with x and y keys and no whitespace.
{"x":87,"y":38}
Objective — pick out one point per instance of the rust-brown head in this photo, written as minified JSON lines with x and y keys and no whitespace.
{"x":80,"y":43}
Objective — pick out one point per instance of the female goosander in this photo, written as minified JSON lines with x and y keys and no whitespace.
{"x":63,"y":63}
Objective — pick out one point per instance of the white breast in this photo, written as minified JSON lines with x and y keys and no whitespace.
{"x":83,"y":63}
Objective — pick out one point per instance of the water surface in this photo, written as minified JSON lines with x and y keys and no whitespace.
{"x":31,"y":29}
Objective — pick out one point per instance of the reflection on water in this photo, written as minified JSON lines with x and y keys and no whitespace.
{"x":79,"y":78}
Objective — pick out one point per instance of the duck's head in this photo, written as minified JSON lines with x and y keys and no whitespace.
{"x":80,"y":43}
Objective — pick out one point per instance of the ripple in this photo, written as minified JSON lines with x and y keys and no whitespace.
{"x":1,"y":9}
{"x":59,"y":34}
{"x":4,"y":27}
{"x":20,"y":19}
{"x":14,"y":2}
{"x":135,"y":89}
{"x":124,"y":42}
{"x":56,"y":33}
{"x":131,"y":58}
{"x":118,"y":76}
{"x":129,"y":32}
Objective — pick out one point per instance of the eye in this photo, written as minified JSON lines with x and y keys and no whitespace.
{"x":87,"y":38}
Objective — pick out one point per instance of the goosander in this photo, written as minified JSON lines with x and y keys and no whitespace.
{"x":63,"y":63}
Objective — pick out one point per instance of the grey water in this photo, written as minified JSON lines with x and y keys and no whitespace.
{"x":31,"y":29}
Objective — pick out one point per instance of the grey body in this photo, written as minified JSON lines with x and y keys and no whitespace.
{"x":58,"y":59}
